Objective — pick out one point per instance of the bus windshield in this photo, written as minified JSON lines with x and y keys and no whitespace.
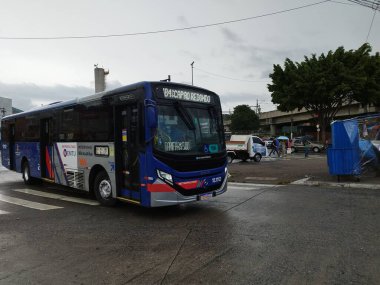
{"x":190,"y":130}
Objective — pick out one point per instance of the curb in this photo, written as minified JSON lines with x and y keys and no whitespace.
{"x":305,"y":181}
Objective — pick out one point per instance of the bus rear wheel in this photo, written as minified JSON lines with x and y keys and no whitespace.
{"x":103,"y":189}
{"x":26,"y":173}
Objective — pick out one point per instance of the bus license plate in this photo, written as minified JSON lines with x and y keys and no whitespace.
{"x":205,"y":197}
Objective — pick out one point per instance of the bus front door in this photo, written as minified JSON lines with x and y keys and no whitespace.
{"x":46,"y":150}
{"x":127,"y":158}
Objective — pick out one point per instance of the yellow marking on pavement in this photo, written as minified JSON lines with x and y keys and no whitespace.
{"x":28,"y":204}
{"x":58,"y":197}
{"x":128,"y":200}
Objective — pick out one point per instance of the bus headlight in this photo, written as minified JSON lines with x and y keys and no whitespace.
{"x":165,"y":176}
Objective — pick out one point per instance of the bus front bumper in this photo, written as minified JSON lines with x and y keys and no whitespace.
{"x":159,"y":199}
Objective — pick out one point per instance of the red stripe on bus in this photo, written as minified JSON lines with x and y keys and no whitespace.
{"x":48,"y":163}
{"x":159,"y":188}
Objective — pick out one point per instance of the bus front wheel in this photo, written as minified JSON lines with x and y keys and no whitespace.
{"x":103,"y":189}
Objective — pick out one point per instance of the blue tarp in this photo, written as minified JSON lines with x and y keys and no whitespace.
{"x":352,"y":149}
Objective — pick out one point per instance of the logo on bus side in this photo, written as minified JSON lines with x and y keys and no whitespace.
{"x":69,"y":153}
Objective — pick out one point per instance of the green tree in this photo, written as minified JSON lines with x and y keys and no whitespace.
{"x":322,"y":85}
{"x":244,"y":119}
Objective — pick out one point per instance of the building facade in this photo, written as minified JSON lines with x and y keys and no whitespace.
{"x":299,"y":123}
{"x":5,"y":107}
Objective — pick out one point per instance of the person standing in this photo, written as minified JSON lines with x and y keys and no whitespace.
{"x":306,"y":144}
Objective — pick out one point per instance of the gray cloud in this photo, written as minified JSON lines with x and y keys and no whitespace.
{"x":26,"y":96}
{"x":183,"y":21}
{"x":233,"y":99}
{"x":231,"y":36}
{"x":255,"y":60}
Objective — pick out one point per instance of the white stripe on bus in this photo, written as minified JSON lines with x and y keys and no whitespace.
{"x":28,"y":204}
{"x":58,"y":197}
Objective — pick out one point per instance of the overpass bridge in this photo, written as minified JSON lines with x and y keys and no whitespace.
{"x":301,"y":122}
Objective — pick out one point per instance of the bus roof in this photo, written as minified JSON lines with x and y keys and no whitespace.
{"x":73,"y":102}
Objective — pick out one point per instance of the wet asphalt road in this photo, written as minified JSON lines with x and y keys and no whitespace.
{"x":256,"y":234}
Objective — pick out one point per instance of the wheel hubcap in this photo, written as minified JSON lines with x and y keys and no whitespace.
{"x":105,"y":189}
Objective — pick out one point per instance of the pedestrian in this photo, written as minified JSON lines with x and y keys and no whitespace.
{"x":275,"y":145}
{"x":306,"y":144}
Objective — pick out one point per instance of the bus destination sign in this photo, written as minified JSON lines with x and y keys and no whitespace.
{"x":186,"y":95}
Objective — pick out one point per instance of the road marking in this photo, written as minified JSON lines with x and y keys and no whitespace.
{"x":300,"y":181}
{"x":28,"y":204}
{"x":3,"y":212}
{"x":250,"y":185}
{"x":261,"y":178}
{"x":58,"y":197}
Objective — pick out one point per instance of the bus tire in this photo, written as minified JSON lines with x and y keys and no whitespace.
{"x":28,"y":180}
{"x":103,"y":189}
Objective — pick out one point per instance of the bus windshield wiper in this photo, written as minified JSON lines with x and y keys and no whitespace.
{"x":185,"y":116}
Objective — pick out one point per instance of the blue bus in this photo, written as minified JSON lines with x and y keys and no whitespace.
{"x":150,"y":143}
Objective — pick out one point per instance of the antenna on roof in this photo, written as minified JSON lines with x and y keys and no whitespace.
{"x":166,"y":80}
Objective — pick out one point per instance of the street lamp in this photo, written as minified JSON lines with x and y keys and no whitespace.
{"x":192,"y":75}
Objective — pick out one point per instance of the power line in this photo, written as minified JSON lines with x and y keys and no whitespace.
{"x":375,"y":5}
{"x":370,"y":27}
{"x":230,"y":78}
{"x":343,"y":3}
{"x":167,"y":30}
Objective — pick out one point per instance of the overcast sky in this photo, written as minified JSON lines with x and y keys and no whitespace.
{"x":35,"y":72}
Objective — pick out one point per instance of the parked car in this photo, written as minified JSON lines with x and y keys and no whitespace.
{"x":298,"y":145}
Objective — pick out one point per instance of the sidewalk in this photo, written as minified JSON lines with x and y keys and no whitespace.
{"x":296,"y":169}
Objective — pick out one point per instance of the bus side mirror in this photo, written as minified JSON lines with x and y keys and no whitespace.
{"x":152,"y":116}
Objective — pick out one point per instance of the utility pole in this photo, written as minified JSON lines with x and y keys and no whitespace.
{"x":192,"y":73}
{"x":291,"y":125}
{"x":257,"y":107}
